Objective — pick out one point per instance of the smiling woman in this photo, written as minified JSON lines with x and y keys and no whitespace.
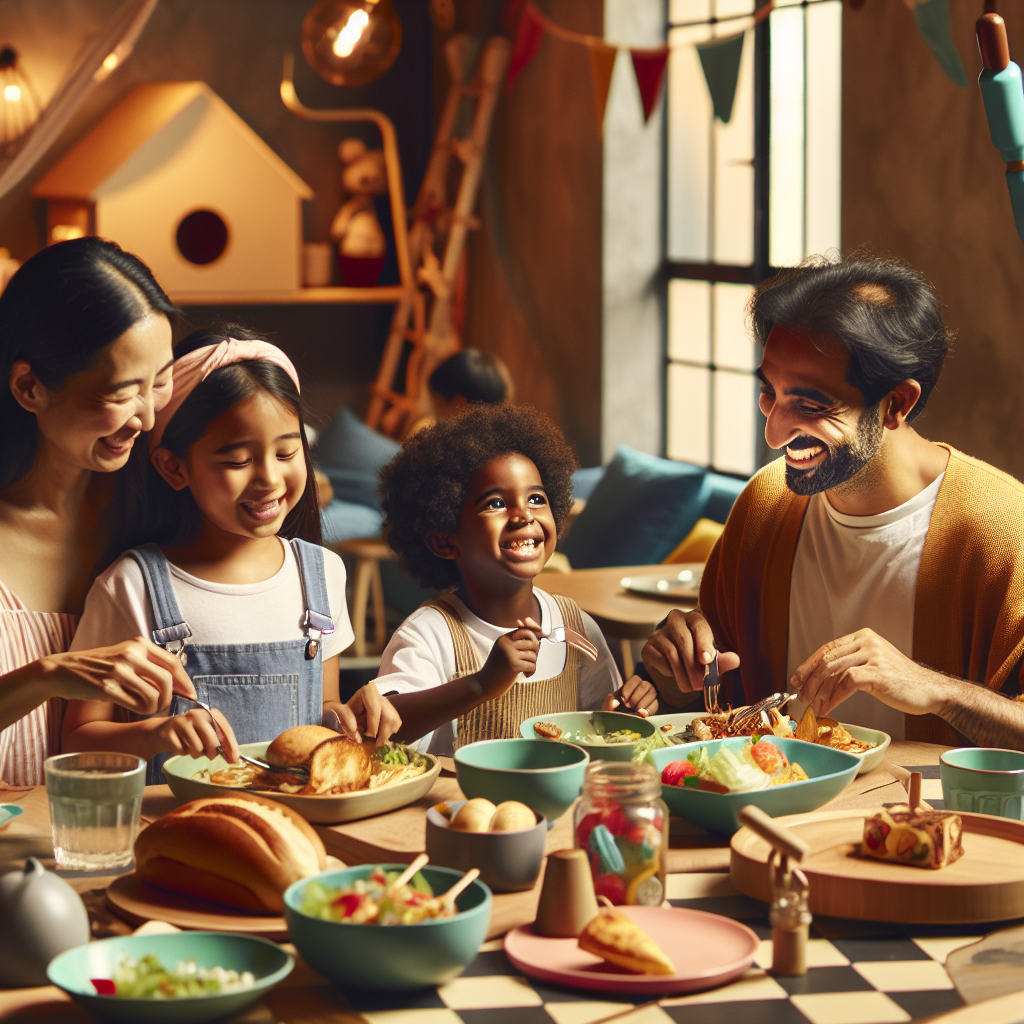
{"x":85,"y":350}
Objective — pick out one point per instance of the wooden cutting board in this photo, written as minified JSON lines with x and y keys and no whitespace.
{"x":986,"y":884}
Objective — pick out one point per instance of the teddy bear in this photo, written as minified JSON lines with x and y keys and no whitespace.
{"x":355,"y":228}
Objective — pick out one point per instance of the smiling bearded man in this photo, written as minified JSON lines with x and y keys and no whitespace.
{"x":869,"y":566}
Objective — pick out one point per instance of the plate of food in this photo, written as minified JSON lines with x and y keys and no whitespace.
{"x":604,"y":735}
{"x":639,"y":951}
{"x":707,"y":783}
{"x":326,"y":777}
{"x":677,"y":583}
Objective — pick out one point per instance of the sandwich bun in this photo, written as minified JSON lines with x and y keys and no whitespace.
{"x":339,"y":765}
{"x":474,"y":816}
{"x":294,"y":746}
{"x":240,"y":851}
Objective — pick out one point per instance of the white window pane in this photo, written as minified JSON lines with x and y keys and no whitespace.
{"x":734,"y":347}
{"x":688,"y":10}
{"x":786,"y":160}
{"x":728,"y":9}
{"x":689,"y":320}
{"x":689,"y":147}
{"x":734,"y":423}
{"x":824,"y":124}
{"x":688,"y":414}
{"x":734,"y":168}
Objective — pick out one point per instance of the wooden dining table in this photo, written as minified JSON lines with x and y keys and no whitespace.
{"x":859,"y":972}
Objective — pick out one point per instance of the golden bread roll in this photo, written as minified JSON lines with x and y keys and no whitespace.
{"x":294,"y":746}
{"x":474,"y":816}
{"x":240,"y":851}
{"x":512,"y":816}
{"x":339,"y":765}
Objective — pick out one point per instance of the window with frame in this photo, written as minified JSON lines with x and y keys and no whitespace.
{"x":743,"y":199}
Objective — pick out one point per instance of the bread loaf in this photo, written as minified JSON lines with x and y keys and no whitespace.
{"x":294,"y":746}
{"x":239,"y":851}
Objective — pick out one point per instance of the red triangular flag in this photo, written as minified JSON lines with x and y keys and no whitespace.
{"x":529,"y":36}
{"x":602,"y":64}
{"x":649,"y":66}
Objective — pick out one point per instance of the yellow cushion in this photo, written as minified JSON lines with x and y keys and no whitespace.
{"x":697,"y":544}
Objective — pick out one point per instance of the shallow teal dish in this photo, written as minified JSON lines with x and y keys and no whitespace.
{"x":579,"y":723}
{"x":830,"y":772}
{"x":983,"y":780}
{"x":73,"y":970}
{"x":398,"y":957}
{"x":545,"y":776}
{"x":9,"y":811}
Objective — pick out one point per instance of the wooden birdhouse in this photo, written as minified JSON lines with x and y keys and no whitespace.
{"x":175,"y":176}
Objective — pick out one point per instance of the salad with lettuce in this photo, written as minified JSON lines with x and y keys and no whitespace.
{"x":147,"y":978}
{"x":758,"y":764}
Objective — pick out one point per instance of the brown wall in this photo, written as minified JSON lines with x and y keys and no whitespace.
{"x":535,"y":266}
{"x":922,"y":181}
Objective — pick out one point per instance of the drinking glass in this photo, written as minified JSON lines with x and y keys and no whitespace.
{"x":95,"y":800}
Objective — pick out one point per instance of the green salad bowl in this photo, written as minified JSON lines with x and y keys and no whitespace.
{"x":547,"y":777}
{"x":73,"y":970}
{"x":579,"y":726}
{"x":829,"y":773}
{"x":393,"y":958}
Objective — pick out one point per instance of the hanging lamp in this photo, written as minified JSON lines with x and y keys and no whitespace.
{"x":19,"y":102}
{"x":351,"y":42}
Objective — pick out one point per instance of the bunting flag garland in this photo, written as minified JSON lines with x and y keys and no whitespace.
{"x":933,"y":22}
{"x":602,"y":64}
{"x":529,"y":36}
{"x":649,"y":66}
{"x":720,"y":60}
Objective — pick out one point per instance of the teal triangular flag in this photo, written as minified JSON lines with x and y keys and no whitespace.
{"x":720,"y":60}
{"x":932,"y":17}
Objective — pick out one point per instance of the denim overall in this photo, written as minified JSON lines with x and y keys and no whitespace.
{"x":260,"y":688}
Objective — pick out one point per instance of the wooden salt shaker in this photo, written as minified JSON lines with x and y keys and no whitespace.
{"x":790,"y":918}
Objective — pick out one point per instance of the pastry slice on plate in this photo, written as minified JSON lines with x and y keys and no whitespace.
{"x":615,"y":938}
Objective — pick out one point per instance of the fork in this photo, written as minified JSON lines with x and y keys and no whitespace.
{"x":712,"y":683}
{"x":564,"y":635}
{"x":747,"y":715}
{"x":255,"y":761}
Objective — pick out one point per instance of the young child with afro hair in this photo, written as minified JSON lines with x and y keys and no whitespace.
{"x":473,"y":507}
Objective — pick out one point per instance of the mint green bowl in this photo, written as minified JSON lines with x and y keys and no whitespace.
{"x":547,"y":777}
{"x":983,"y":780}
{"x":830,"y":772}
{"x":393,"y":958}
{"x":73,"y":969}
{"x":582,"y":723}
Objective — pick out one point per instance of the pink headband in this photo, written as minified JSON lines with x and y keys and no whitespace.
{"x":194,"y":367}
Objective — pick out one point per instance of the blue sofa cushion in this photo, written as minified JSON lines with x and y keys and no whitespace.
{"x":640,"y":509}
{"x":585,"y":480}
{"x":351,"y":454}
{"x":349,"y":520}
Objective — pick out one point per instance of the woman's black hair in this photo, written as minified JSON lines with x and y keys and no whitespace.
{"x":423,"y":488}
{"x":155,"y":512}
{"x":58,"y":312}
{"x":885,"y":314}
{"x":476,"y":376}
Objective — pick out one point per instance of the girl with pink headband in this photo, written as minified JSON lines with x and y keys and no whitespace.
{"x":226,"y":569}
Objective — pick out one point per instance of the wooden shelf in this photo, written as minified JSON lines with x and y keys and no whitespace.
{"x":301,"y":296}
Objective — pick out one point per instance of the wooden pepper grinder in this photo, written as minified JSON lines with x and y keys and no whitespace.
{"x":789,"y":914}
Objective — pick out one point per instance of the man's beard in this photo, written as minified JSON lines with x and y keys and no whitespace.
{"x":842,"y":463}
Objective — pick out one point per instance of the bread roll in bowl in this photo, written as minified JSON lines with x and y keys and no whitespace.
{"x":239,"y":851}
{"x":474,"y":816}
{"x":294,"y":746}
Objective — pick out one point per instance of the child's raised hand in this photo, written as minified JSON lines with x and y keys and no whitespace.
{"x":367,"y":713}
{"x":194,"y":734}
{"x":511,"y":654}
{"x":637,"y":694}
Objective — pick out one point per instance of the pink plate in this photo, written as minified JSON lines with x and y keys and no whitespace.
{"x":707,"y":950}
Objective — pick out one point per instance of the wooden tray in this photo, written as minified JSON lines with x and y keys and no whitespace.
{"x":986,"y":884}
{"x":138,"y":903}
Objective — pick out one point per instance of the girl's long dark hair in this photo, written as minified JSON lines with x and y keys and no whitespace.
{"x":154,"y":511}
{"x":64,"y":306}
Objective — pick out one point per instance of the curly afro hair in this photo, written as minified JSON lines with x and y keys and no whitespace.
{"x":423,"y":488}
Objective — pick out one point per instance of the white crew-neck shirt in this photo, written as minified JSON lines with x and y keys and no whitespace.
{"x":421,"y":655}
{"x":858,"y":572}
{"x":117,"y":607}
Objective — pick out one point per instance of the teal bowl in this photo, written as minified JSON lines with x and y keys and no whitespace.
{"x":830,"y":772}
{"x":393,"y":958}
{"x":73,"y":969}
{"x":575,"y":724}
{"x":547,"y":777}
{"x":983,"y":780}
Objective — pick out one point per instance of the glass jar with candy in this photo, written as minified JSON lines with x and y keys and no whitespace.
{"x":622,"y":823}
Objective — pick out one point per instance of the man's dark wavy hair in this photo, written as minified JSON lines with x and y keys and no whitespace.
{"x":423,"y":488}
{"x":885,"y":313}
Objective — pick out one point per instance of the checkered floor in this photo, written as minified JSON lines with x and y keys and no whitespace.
{"x":859,"y":973}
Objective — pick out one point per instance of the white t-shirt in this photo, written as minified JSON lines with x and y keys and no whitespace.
{"x":858,"y":572}
{"x":421,"y":655}
{"x":117,"y":607}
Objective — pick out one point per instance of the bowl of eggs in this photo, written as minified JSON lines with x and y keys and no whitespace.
{"x":505,"y":841}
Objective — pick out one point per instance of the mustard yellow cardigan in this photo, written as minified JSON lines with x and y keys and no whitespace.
{"x":969,"y":607}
